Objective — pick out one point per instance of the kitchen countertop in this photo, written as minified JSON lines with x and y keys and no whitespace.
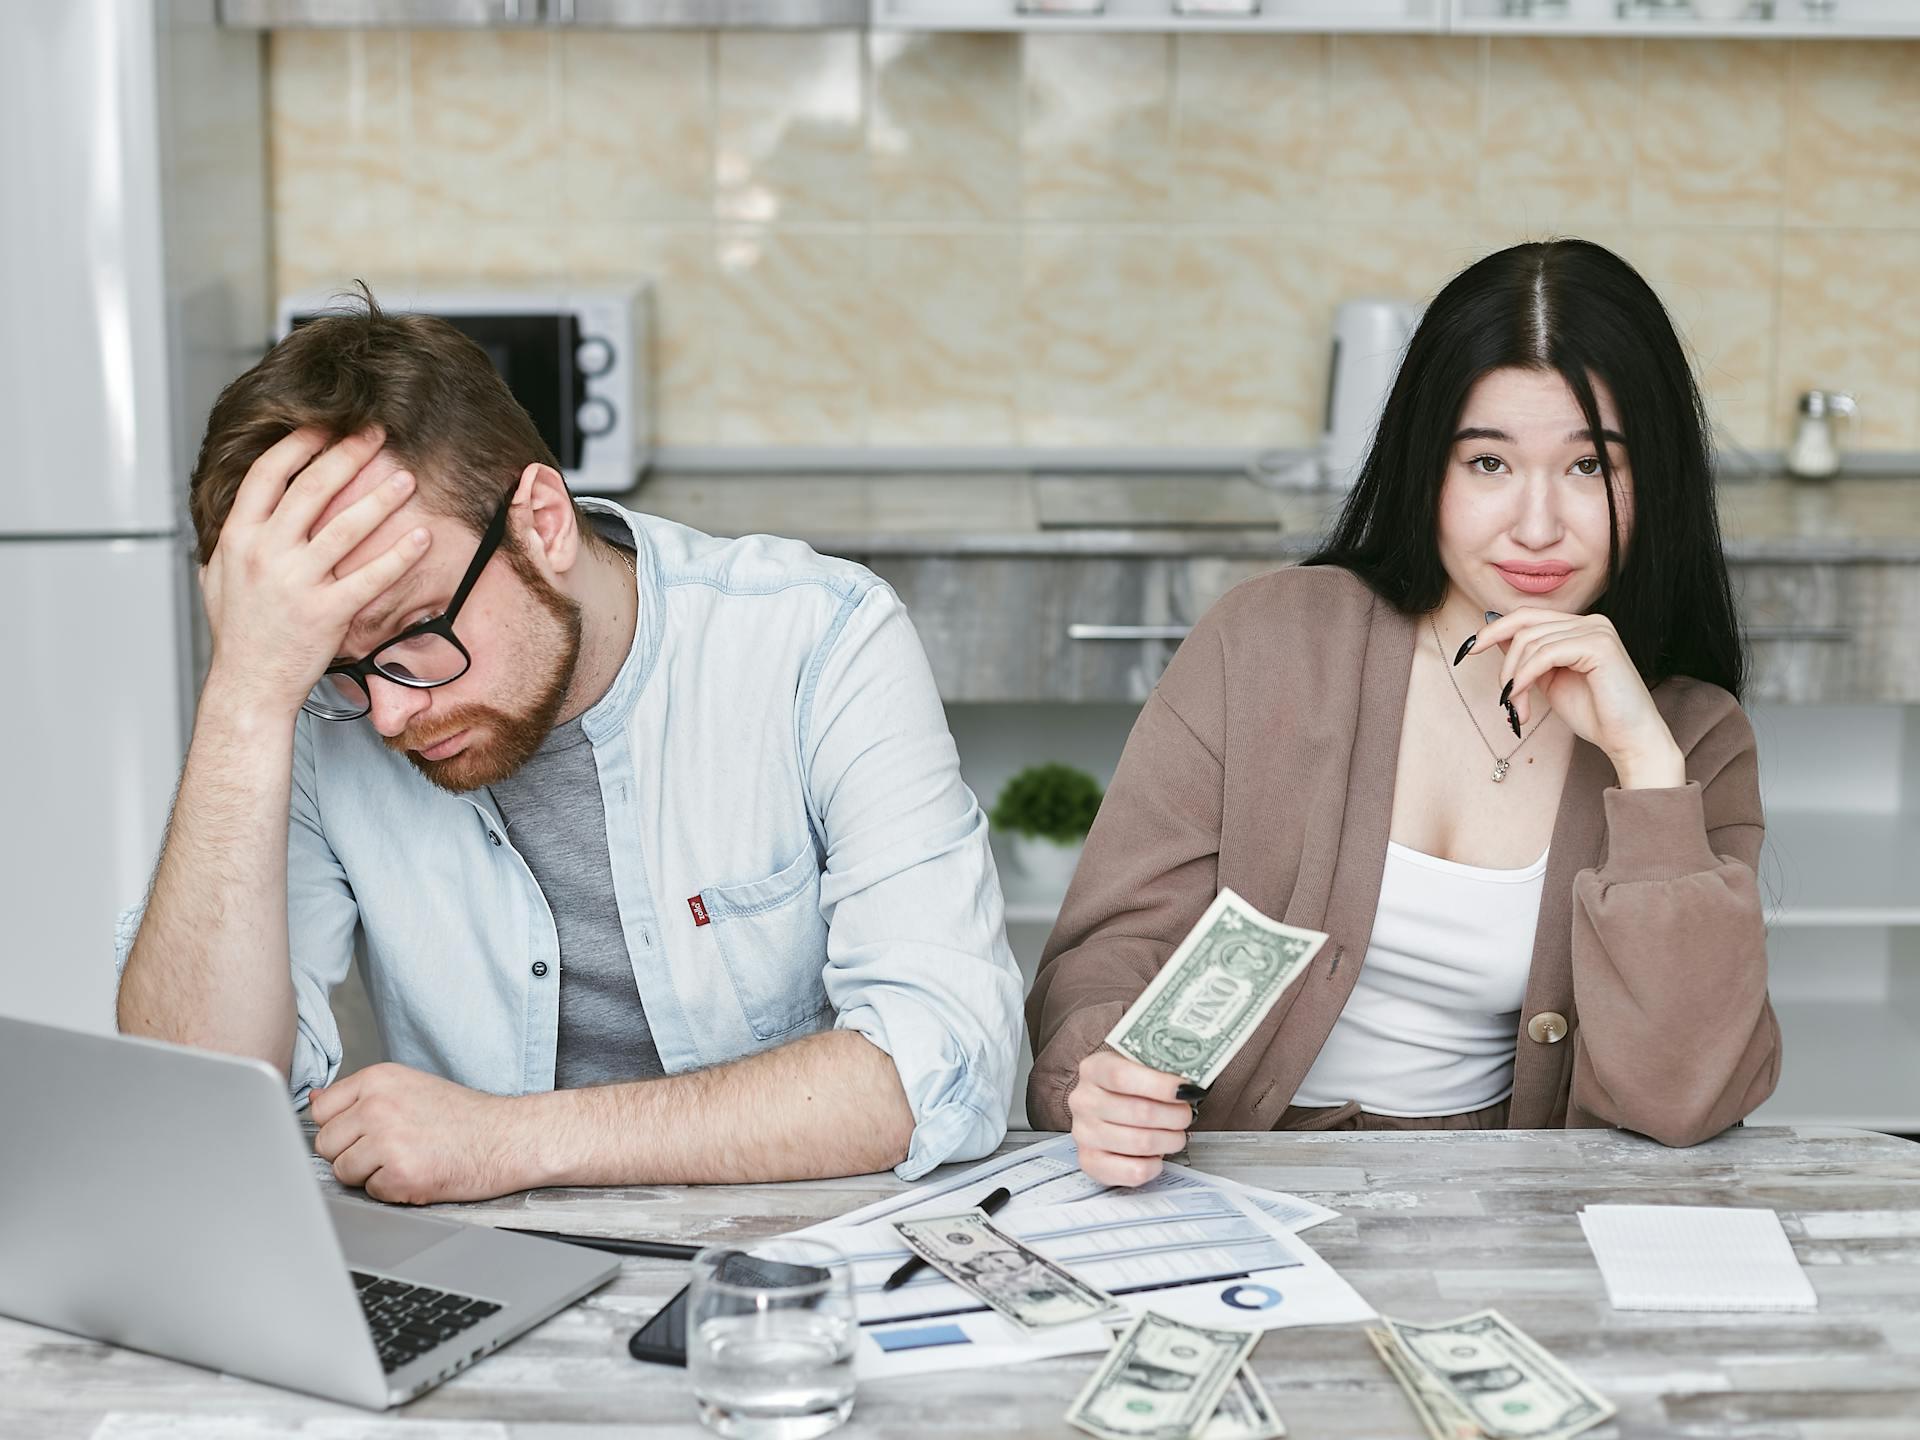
{"x":933,"y":513}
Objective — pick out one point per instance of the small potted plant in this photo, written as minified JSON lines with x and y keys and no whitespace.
{"x":1046,"y":811}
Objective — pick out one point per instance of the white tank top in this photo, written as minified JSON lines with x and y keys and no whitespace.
{"x":1429,"y":1026}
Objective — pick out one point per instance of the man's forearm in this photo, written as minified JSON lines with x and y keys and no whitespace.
{"x":209,"y":966}
{"x":827,"y":1105}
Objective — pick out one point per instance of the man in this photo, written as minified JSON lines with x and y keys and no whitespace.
{"x":657,"y":842}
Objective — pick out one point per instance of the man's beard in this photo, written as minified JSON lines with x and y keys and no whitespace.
{"x":511,"y":739}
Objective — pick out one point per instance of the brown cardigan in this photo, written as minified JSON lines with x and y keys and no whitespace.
{"x":1264,"y":760}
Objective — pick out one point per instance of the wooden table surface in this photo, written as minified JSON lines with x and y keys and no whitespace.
{"x":1431,"y":1225}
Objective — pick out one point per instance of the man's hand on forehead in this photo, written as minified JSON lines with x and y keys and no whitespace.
{"x":317,"y":533}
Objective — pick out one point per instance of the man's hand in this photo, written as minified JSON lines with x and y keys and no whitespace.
{"x":277,"y":610}
{"x":1125,"y":1118}
{"x":413,"y":1138}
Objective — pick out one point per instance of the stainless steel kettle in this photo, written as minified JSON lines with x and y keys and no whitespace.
{"x":1369,"y":338}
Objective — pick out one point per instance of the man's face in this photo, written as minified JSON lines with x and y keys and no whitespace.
{"x":522,"y":633}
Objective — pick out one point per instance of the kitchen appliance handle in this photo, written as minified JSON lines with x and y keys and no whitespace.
{"x":1080,"y":631}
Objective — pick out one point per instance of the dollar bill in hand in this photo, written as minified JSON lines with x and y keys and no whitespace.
{"x":1004,"y":1275}
{"x":1483,"y":1369}
{"x":1214,"y":990}
{"x":1162,"y":1379}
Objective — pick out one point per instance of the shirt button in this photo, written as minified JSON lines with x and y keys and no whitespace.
{"x":1549,"y":1027}
{"x":539,"y":967}
{"x":494,"y":835}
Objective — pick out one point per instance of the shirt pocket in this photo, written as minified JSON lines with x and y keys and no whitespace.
{"x":773,"y":944}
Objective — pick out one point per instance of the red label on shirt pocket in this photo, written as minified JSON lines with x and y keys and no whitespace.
{"x":699,"y":909}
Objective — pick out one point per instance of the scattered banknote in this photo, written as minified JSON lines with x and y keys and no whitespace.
{"x":1243,"y":1412}
{"x":1162,"y":1379}
{"x":1214,"y":990}
{"x":1000,"y":1272}
{"x":1482,"y":1376}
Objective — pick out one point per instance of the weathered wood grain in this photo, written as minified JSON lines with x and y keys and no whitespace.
{"x":1431,"y":1225}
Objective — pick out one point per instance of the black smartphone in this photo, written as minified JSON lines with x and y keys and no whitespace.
{"x":663,"y":1339}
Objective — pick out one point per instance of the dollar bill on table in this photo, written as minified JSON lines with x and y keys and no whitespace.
{"x":1482,"y":1376}
{"x":1162,"y":1380}
{"x":1243,"y":1411}
{"x":1004,"y":1275}
{"x":1214,"y":990}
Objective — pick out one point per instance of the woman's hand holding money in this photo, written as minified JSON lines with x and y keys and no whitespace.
{"x":1126,"y":1117}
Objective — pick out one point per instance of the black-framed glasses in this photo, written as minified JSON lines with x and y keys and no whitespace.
{"x":419,"y":657}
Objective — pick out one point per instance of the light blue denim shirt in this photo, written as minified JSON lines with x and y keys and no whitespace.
{"x":792,"y":849}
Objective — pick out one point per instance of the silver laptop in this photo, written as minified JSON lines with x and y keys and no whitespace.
{"x":165,"y":1199}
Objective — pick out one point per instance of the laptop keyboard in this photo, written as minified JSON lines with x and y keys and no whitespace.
{"x":409,"y":1320}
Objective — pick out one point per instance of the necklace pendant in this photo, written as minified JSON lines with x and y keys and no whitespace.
{"x":1499,"y":771}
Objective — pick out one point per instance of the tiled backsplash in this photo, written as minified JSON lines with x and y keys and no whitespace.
{"x":1108,"y":240}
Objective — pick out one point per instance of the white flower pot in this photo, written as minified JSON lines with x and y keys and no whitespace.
{"x":1046,"y":863}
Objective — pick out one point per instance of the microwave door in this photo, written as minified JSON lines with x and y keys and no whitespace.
{"x":535,"y":356}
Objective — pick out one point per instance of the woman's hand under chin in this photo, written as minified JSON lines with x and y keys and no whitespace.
{"x":1580,"y":668}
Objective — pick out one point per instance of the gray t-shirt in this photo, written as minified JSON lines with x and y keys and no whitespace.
{"x":559,"y":825}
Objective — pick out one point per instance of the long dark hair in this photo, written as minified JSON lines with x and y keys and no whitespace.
{"x":1577,"y":309}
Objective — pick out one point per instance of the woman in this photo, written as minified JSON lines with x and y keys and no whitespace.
{"x":1489,"y":739}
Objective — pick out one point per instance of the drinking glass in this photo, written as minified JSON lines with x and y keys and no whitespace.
{"x":770,"y":1332}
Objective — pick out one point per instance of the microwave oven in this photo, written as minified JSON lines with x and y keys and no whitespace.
{"x":577,"y":358}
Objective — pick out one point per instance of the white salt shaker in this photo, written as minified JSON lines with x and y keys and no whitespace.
{"x":1814,"y":453}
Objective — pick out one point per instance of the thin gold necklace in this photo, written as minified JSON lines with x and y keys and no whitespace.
{"x":1500,"y":762}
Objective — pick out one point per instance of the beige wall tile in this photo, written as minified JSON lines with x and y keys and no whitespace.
{"x":491,"y":252}
{"x":792,"y":127}
{"x":1250,"y":116}
{"x":1850,"y":320}
{"x":1403,"y":137}
{"x":636,"y":125}
{"x":1558,"y":150}
{"x":1098,"y":135}
{"x":1711,"y":133}
{"x":1092,"y":368}
{"x":944,"y":139}
{"x":337,"y":147}
{"x":1395,"y":262}
{"x":485,"y":137}
{"x":1720,"y":287}
{"x":1246,"y":329}
{"x":941,"y":362}
{"x":793,"y":329}
{"x":681,"y":267}
{"x":1853,"y":134}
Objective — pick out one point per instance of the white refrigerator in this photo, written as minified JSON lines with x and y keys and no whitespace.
{"x":132,"y":285}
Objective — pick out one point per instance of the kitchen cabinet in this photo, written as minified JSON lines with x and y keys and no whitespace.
{"x":587,"y":14}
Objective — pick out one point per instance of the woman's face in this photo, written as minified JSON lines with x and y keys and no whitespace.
{"x":1523,"y":508}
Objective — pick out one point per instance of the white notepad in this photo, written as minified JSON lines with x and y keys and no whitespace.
{"x":1695,"y":1257}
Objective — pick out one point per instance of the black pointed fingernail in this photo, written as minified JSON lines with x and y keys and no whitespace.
{"x":1190,"y":1092}
{"x":1513,"y":719}
{"x":1465,"y":646}
{"x":1492,"y":615}
{"x":1506,"y":692}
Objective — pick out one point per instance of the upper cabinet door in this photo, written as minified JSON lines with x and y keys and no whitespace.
{"x":707,"y":14}
{"x":370,"y":14}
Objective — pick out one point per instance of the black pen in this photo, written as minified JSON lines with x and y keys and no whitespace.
{"x":618,"y":1245}
{"x":913,"y":1266}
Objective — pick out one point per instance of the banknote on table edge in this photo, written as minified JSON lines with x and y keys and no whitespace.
{"x":1243,"y":1411}
{"x":1233,"y":1347}
{"x":1098,"y":1301}
{"x":1244,"y":1019}
{"x":1535,"y":1358}
{"x":1424,"y":1404}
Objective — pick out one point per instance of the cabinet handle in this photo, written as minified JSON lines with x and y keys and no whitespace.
{"x":1079,"y":631}
{"x":1799,"y":632}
